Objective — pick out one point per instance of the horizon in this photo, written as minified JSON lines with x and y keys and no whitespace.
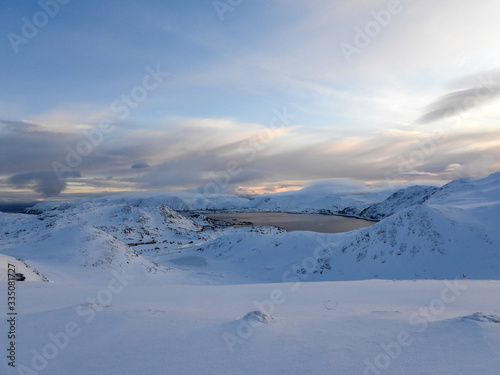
{"x":339,"y":187}
{"x":120,"y":97}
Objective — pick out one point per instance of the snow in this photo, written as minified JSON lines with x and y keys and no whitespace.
{"x":318,"y":328}
{"x":135,"y":287}
{"x":404,"y":198}
{"x":20,"y":267}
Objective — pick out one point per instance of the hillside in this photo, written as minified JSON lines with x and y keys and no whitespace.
{"x":139,"y":280}
{"x":403,"y":198}
{"x":428,"y":233}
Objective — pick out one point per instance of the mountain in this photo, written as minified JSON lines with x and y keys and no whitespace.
{"x":403,"y":198}
{"x":131,"y":278}
{"x":178,"y":201}
{"x":63,"y":238}
{"x":432,"y":233}
{"x":329,"y":196}
{"x":423,"y":232}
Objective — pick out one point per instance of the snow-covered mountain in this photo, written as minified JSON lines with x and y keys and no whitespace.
{"x":64,"y":237}
{"x":137,"y":279}
{"x":129,"y":220}
{"x":427,"y":233}
{"x":403,"y":198}
{"x":178,"y":201}
{"x":327,"y":197}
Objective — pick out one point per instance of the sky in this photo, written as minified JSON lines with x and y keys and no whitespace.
{"x":244,"y":97}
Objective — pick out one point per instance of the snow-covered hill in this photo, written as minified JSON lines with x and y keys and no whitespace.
{"x":64,"y":238}
{"x":147,"y":289}
{"x":7,"y":262}
{"x":454,"y":234}
{"x":64,"y":254}
{"x":427,"y":233}
{"x":404,"y":198}
{"x":178,"y":201}
{"x":328,"y":197}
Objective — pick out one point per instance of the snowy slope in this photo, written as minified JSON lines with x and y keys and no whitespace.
{"x":63,"y":256}
{"x":453,"y":235}
{"x":410,"y":328}
{"x":329,"y":196}
{"x":404,"y":198}
{"x":20,"y":267}
{"x":150,"y":291}
{"x":469,"y":192}
{"x":82,"y":242}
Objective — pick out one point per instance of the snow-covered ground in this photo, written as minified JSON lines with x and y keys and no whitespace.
{"x":365,"y":327}
{"x":126,"y":285}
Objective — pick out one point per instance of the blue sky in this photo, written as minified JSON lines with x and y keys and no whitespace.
{"x":360,"y":116}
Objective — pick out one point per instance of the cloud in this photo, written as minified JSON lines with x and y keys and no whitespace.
{"x":193,"y":152}
{"x":482,"y":89}
{"x":335,"y":185}
{"x":140,"y":165}
{"x":45,"y":182}
{"x":26,"y":147}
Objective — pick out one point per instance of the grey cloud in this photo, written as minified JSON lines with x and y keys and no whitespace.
{"x":189,"y":162}
{"x":18,"y":126}
{"x":140,"y":165}
{"x":45,"y":182}
{"x":372,"y":157}
{"x":481,"y":89}
{"x":185,"y":171}
{"x":26,"y":147}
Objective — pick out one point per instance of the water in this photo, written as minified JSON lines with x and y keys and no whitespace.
{"x":292,"y":222}
{"x":189,"y":260}
{"x":17,"y":208}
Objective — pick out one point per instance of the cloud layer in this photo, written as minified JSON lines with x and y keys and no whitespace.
{"x":240,"y":157}
{"x":359,"y":118}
